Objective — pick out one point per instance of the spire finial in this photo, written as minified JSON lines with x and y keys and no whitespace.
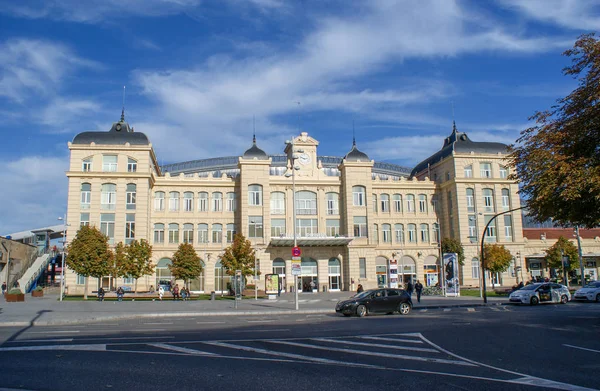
{"x":353,"y":135}
{"x":253,"y":129}
{"x":454,"y":130}
{"x":123,"y":111}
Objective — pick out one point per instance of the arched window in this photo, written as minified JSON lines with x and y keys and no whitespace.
{"x":277,"y":203}
{"x":376,"y":233}
{"x":385,"y":203}
{"x":86,"y":195}
{"x":108,"y":196}
{"x":255,"y":195}
{"x":188,"y":233}
{"x":306,"y":203}
{"x":173,"y":233}
{"x":174,"y":201}
{"x":422,"y":203}
{"x":131,"y":196}
{"x":412,"y":233}
{"x":475,"y":268}
{"x":358,"y":195}
{"x":335,"y":272}
{"x":231,"y":202}
{"x":217,"y":233}
{"x":397,"y":203}
{"x":202,"y":233}
{"x":230,"y":232}
{"x":470,"y":200}
{"x":188,"y":201}
{"x":505,"y":199}
{"x":159,"y":201}
{"x":279,"y":267}
{"x":159,"y":233}
{"x":399,"y":233}
{"x":424,"y":233}
{"x":221,"y":277}
{"x":488,"y":200}
{"x":436,"y":233}
{"x":410,"y":203}
{"x":333,"y":203}
{"x":163,"y":273}
{"x":386,"y":230}
{"x":202,"y":201}
{"x":217,"y":204}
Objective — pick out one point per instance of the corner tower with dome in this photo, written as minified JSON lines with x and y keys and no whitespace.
{"x":354,"y":216}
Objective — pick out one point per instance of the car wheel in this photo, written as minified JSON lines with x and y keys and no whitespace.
{"x":564,"y":299}
{"x":534,"y":300}
{"x":404,"y":308}
{"x":361,"y":311}
{"x":598,"y":298}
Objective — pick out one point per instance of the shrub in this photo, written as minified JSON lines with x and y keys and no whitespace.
{"x":38,"y":288}
{"x":15,"y":291}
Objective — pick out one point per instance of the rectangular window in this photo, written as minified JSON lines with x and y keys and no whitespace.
{"x":108,"y":197}
{"x":410,"y":203}
{"x":306,"y":203}
{"x":80,"y":280}
{"x":255,"y":195}
{"x":473,"y":229}
{"x":277,"y":227}
{"x":217,"y":202}
{"x":131,"y":165}
{"x":488,"y":200}
{"x":386,"y":232}
{"x":173,"y":233}
{"x":107,"y":226}
{"x":468,"y":171}
{"x":505,"y":199}
{"x":255,"y":226}
{"x":470,"y":200}
{"x":188,"y":202}
{"x":508,"y":236}
{"x":486,"y":170}
{"x":159,"y":233}
{"x":174,"y":201}
{"x":130,"y":196}
{"x":490,"y":233}
{"x":385,"y":203}
{"x":397,"y":203}
{"x":332,"y":227}
{"x":188,"y":233}
{"x":306,"y":227}
{"x":202,"y":233}
{"x":360,"y":227}
{"x":399,"y":233}
{"x":332,"y":204}
{"x":159,"y":201}
{"x":424,"y":233}
{"x":358,"y":196}
{"x":475,"y":268}
{"x":412,"y":233}
{"x":129,"y":228}
{"x":375,"y":236}
{"x":422,"y":203}
{"x":362,"y":267}
{"x":109,"y":163}
{"x":86,"y":196}
{"x":230,"y":232}
{"x":503,"y":172}
{"x":375,"y":203}
{"x":277,"y":203}
{"x":217,"y":233}
{"x":84,"y":219}
{"x":86,"y":165}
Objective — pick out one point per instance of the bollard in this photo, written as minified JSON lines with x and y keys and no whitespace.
{"x":212,"y":296}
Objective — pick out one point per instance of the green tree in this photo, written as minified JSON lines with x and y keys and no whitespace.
{"x":89,"y":255}
{"x":557,"y":161}
{"x":496,"y":258}
{"x":118,"y":269}
{"x":138,"y":260}
{"x":450,"y":245}
{"x":185,"y":264}
{"x":239,"y":256}
{"x":555,"y":253}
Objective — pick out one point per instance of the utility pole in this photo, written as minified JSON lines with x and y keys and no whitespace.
{"x":580,"y":255}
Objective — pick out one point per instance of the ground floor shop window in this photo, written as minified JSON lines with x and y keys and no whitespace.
{"x":279,"y":269}
{"x":163,"y":274}
{"x":221,"y":278}
{"x":335,"y":271}
{"x":431,"y":271}
{"x":309,"y":281}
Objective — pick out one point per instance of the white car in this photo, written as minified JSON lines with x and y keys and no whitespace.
{"x":547,"y":292}
{"x":589,"y":292}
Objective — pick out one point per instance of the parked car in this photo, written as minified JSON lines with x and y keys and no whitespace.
{"x":376,"y":300}
{"x":548,"y":292}
{"x":589,"y":292}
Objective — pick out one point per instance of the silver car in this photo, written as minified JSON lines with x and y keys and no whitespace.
{"x":547,"y":292}
{"x":589,"y":292}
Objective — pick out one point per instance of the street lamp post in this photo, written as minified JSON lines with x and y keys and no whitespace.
{"x":482,"y":253}
{"x":294,"y":156}
{"x":62,"y":267}
{"x":580,"y":254}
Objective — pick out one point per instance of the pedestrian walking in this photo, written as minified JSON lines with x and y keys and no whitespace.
{"x":120,"y":293}
{"x":3,"y":288}
{"x":161,"y":292}
{"x":176,"y":292}
{"x":409,"y":288}
{"x":360,"y":288}
{"x":419,"y":290}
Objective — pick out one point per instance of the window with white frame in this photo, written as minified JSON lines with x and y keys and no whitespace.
{"x":255,"y":195}
{"x":362,"y":267}
{"x":277,"y":203}
{"x":217,"y":201}
{"x":386,"y":233}
{"x":306,"y":227}
{"x":485,"y":170}
{"x":436,"y":233}
{"x":188,"y":233}
{"x":374,"y":198}
{"x":503,"y":172}
{"x":488,"y":200}
{"x":84,"y":219}
{"x":129,"y":228}
{"x":434,"y":203}
{"x":490,"y":233}
{"x":508,"y":231}
{"x":358,"y":195}
{"x":332,"y":227}
{"x":505,"y":199}
{"x":131,"y":165}
{"x":410,"y":203}
{"x":159,"y":201}
{"x":424,"y":233}
{"x":80,"y":280}
{"x":422,"y":203}
{"x":470,"y":200}
{"x":231,"y":202}
{"x":255,"y":226}
{"x":202,"y":233}
{"x":397,"y":198}
{"x":306,"y":203}
{"x":202,"y":201}
{"x":108,"y":197}
{"x":174,"y":201}
{"x":86,"y":165}
{"x":333,"y":202}
{"x":109,"y":163}
{"x":375,"y":236}
{"x":130,"y":196}
{"x":475,"y":268}
{"x":412,"y":233}
{"x":277,"y":227}
{"x":399,"y":233}
{"x":385,"y":203}
{"x":86,"y":195}
{"x":473,"y":237}
{"x":469,"y":171}
{"x":173,"y":233}
{"x":159,"y":233}
{"x":107,"y":226}
{"x":360,"y":226}
{"x":188,"y":201}
{"x":217,"y":233}
{"x":230,"y":232}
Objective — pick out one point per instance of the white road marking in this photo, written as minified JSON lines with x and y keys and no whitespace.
{"x":315,"y":316}
{"x":447,"y":310}
{"x":471,"y":309}
{"x":260,"y":321}
{"x":158,"y":322}
{"x":377,"y":354}
{"x":50,"y":331}
{"x":375,"y":345}
{"x":392,"y":339}
{"x":94,"y":347}
{"x":424,"y":310}
{"x":258,"y":331}
{"x":181,"y":349}
{"x":146,"y":330}
{"x":578,"y":347}
{"x":103,"y":324}
{"x":41,"y":340}
{"x":210,"y":322}
{"x":289,"y":355}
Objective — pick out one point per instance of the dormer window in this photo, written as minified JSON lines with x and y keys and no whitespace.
{"x":503,"y":172}
{"x":131,"y":165}
{"x":109,"y":163}
{"x":485,"y":170}
{"x":86,"y":165}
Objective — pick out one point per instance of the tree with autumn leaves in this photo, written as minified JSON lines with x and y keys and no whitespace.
{"x":557,"y":161}
{"x":554,"y":254}
{"x":134,"y":260}
{"x":239,"y":256}
{"x":496,"y":258}
{"x":185,"y":264}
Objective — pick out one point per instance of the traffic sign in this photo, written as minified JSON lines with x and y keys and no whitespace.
{"x":296,"y":251}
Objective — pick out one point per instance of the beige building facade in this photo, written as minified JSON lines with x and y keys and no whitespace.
{"x":354,"y":216}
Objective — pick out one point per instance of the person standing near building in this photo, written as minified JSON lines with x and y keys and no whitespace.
{"x":3,"y":288}
{"x":409,"y":288}
{"x":418,"y":289}
{"x":161,"y":292}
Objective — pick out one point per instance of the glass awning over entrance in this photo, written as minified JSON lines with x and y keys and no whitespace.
{"x":311,"y":241}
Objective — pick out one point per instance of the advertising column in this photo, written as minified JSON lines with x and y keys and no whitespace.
{"x":451,"y":274}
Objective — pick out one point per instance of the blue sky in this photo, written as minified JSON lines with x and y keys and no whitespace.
{"x":197,"y":71}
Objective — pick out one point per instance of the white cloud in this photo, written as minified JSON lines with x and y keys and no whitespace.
{"x":60,"y":112}
{"x":34,"y":192}
{"x":573,"y":14}
{"x":409,"y":150}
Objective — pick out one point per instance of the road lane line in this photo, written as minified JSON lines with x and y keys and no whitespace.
{"x":50,"y":331}
{"x":158,"y":323}
{"x":41,"y":340}
{"x":578,"y":347}
{"x":376,"y":345}
{"x":471,"y":309}
{"x":377,"y":354}
{"x":288,"y":355}
{"x":392,"y":339}
{"x":94,"y":347}
{"x":260,"y":321}
{"x":180,"y":349}
{"x":447,"y":310}
{"x":258,"y":331}
{"x":210,"y":322}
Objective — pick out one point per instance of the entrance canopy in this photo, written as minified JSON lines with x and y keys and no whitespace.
{"x":312,"y":241}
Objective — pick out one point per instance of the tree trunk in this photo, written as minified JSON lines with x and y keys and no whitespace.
{"x":85,"y":289}
{"x":135,"y":287}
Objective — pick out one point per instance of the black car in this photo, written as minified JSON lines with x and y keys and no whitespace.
{"x":376,"y":300}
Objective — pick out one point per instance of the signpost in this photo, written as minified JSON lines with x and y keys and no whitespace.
{"x":296,"y":251}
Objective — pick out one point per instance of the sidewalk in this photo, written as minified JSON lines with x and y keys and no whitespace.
{"x":48,"y":310}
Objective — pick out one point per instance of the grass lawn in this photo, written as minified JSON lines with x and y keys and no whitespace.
{"x":475,"y":293}
{"x":150,"y":298}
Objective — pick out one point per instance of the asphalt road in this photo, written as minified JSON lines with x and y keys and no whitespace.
{"x":485,"y":348}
